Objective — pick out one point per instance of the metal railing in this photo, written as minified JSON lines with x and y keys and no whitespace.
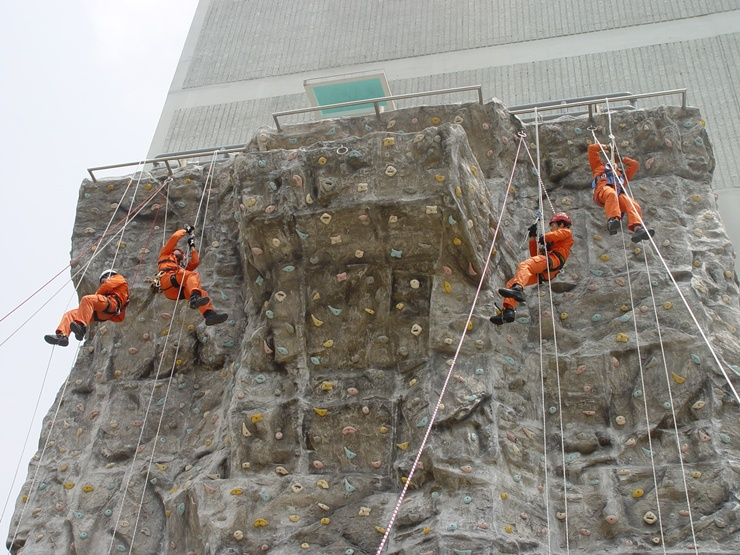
{"x":590,"y":101}
{"x":167,"y":158}
{"x":593,"y":101}
{"x":375,"y":102}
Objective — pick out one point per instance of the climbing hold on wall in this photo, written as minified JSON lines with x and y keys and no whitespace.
{"x":390,"y":171}
{"x":650,"y":517}
{"x":323,"y":484}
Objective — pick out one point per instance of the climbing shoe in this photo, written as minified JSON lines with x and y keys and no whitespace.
{"x":196,"y":300}
{"x":57,"y":339}
{"x":640,"y":234}
{"x":516,"y":292}
{"x":613,"y":225}
{"x":79,"y":329}
{"x":212,"y":318}
{"x":508,"y":316}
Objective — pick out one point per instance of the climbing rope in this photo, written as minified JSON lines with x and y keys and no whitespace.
{"x":428,"y":431}
{"x":644,"y":396}
{"x":27,"y":501}
{"x":140,"y":504}
{"x":542,"y":190}
{"x":673,"y":407}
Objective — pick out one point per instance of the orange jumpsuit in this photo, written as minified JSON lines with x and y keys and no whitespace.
{"x":108,"y":303}
{"x":605,"y":194}
{"x":531,"y":270}
{"x":174,"y":275}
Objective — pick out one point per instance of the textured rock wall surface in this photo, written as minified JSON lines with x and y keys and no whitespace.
{"x":348,"y":254}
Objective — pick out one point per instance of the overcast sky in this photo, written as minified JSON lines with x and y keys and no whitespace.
{"x":83,"y":85}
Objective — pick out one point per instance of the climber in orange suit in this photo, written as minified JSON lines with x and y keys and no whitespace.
{"x":545,"y":263}
{"x":609,"y":192}
{"x":108,"y":303}
{"x":178,"y":278}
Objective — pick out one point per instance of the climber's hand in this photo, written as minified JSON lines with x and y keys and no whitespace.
{"x":191,"y":242}
{"x":532,"y":230}
{"x":190,"y":229}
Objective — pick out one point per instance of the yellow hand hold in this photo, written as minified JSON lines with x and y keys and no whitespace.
{"x":294,"y":518}
{"x":316,"y":322}
{"x":256,"y":418}
{"x":678,"y":378}
{"x":236,"y":491}
{"x":403,"y":446}
{"x":260,"y":522}
{"x":320,"y":412}
{"x":87,"y":488}
{"x":447,"y":286}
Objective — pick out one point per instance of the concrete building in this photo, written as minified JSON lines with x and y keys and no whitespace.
{"x":244,"y":60}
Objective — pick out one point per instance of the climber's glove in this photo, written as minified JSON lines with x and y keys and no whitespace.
{"x":190,"y":229}
{"x":191,"y":242}
{"x":532,"y":230}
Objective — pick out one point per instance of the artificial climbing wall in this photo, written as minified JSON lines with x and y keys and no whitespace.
{"x":348,"y":254}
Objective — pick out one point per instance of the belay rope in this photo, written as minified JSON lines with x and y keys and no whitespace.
{"x":139,"y":446}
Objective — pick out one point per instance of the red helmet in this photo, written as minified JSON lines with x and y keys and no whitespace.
{"x":561,"y":217}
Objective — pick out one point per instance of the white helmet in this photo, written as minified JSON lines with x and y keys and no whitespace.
{"x":108,"y":273}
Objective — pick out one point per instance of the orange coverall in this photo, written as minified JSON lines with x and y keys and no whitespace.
{"x":529,"y":271}
{"x":108,"y":303}
{"x":175,"y":275}
{"x":606,"y":196}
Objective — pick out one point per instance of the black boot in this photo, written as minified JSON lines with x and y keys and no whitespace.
{"x":79,"y":329}
{"x":642,"y":233}
{"x":57,"y":339}
{"x":613,"y":225}
{"x":516,"y":292}
{"x":508,"y":316}
{"x":196,"y":300}
{"x":212,"y":317}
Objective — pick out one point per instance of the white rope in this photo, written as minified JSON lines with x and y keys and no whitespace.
{"x":428,"y":431}
{"x":31,"y":489}
{"x":644,"y":394}
{"x":673,"y":408}
{"x":557,"y":373}
{"x":542,"y":362}
{"x":140,"y":505}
